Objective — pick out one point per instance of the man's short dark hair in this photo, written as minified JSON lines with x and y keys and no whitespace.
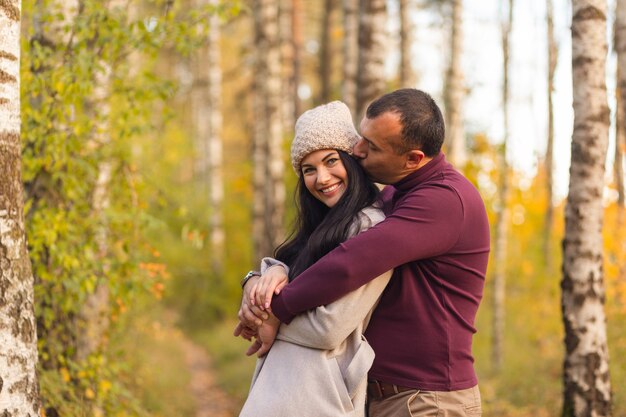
{"x":423,"y":126}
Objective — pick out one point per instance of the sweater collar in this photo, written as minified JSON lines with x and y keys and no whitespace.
{"x":422,"y":174}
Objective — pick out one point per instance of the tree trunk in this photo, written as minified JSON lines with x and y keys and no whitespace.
{"x":350,"y":55}
{"x":406,"y":74}
{"x":269,"y":189}
{"x":207,"y":120}
{"x":548,"y":160}
{"x":94,"y":315}
{"x":288,"y":53}
{"x":373,"y":46}
{"x":296,"y":39}
{"x":455,"y":90}
{"x":19,"y":394}
{"x":587,"y":386}
{"x":502,"y":220}
{"x":620,"y":125}
{"x":326,"y":52}
{"x":214,"y":143}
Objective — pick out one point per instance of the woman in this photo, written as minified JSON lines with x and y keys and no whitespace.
{"x":319,"y":362}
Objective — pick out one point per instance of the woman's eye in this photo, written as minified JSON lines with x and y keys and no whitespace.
{"x":332,"y":161}
{"x":307,"y":170}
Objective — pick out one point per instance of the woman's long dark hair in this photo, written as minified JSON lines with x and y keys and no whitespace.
{"x":318,"y":228}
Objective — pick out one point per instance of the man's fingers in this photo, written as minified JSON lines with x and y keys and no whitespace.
{"x":263,"y":349}
{"x":253,"y":348}
{"x":256,"y":310}
{"x":248,"y":317}
{"x":238,"y":330}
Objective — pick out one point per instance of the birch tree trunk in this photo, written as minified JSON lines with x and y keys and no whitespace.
{"x":586,"y":382}
{"x":350,"y":55}
{"x":208,"y":122}
{"x":455,"y":91}
{"x":269,"y":188}
{"x":406,"y":75}
{"x":620,"y":125}
{"x":326,"y":52}
{"x":373,"y":44}
{"x":549,"y":157}
{"x":620,"y":128}
{"x":288,"y":53}
{"x":214,"y":143}
{"x":502,"y":220}
{"x":94,"y":315}
{"x":296,"y":31}
{"x":19,"y":395}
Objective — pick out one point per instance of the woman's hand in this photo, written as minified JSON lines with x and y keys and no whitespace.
{"x":250,"y":315}
{"x":272,"y":282}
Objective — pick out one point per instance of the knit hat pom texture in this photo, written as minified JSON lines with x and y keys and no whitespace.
{"x":328,"y":126}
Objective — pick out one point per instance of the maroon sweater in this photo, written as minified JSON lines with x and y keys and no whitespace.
{"x":436,"y":236}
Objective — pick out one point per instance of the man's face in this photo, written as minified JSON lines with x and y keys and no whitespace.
{"x":376,"y":150}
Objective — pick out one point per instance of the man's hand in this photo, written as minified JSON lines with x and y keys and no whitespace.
{"x":250,"y":315}
{"x":246,"y":332}
{"x":266,"y":334}
{"x":263,"y":288}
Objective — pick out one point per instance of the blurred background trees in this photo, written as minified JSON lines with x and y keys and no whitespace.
{"x":155,"y":140}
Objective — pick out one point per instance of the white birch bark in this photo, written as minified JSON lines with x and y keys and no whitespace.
{"x":94,"y":313}
{"x":455,"y":91}
{"x":208,"y":122}
{"x":549,"y":156}
{"x":350,"y":54}
{"x":620,"y":142}
{"x":502,"y":219}
{"x":373,"y":44}
{"x":288,"y":55}
{"x":214,"y":144}
{"x":406,"y":73}
{"x":620,"y":128}
{"x":586,"y":382}
{"x":269,"y":192}
{"x":326,"y":52}
{"x":296,"y":38}
{"x":19,"y":394}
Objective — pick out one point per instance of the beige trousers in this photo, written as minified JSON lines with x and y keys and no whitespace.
{"x":417,"y":403}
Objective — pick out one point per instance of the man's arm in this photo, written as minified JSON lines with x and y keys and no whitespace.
{"x":425,"y":225}
{"x":326,"y":327}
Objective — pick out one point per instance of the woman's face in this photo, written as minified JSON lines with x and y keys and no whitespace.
{"x":324,"y":175}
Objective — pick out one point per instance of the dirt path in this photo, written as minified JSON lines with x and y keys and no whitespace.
{"x":211,"y":400}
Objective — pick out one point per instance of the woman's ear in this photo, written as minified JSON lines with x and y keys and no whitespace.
{"x":414,"y":158}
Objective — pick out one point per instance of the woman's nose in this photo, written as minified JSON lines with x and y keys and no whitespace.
{"x":323,"y":176}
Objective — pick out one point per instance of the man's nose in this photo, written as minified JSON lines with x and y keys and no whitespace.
{"x":360,"y":149}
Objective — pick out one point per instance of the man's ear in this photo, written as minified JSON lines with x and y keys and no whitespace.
{"x":414,"y":158}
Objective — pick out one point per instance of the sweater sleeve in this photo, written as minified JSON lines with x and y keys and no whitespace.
{"x":326,"y":327}
{"x":425,"y":224}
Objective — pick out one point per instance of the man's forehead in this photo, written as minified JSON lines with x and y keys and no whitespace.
{"x":384,"y":128}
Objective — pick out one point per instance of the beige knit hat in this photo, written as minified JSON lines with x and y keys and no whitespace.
{"x":328,"y":126}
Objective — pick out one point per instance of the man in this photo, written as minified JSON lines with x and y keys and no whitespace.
{"x":436,"y":236}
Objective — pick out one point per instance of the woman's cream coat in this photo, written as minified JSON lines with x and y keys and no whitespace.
{"x":318,"y":364}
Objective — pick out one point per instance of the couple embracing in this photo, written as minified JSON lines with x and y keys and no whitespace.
{"x":368,"y":308}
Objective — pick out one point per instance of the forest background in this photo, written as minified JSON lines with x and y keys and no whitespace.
{"x":154,"y":131}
